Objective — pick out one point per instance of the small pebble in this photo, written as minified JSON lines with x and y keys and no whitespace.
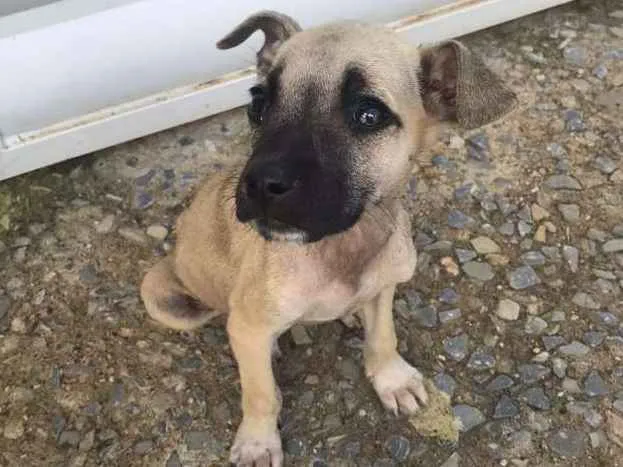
{"x":508,"y":310}
{"x":468,"y":416}
{"x":574,"y":349}
{"x":570,"y":213}
{"x":500,"y":383}
{"x":445,"y":383}
{"x":159,"y":232}
{"x":530,"y":373}
{"x":594,"y":385}
{"x":480,"y":361}
{"x":484,"y":245}
{"x":536,"y":398}
{"x":568,"y":443}
{"x":478,"y":270}
{"x":505,"y":408}
{"x":456,"y":347}
{"x":562,"y":182}
{"x":523,"y":278}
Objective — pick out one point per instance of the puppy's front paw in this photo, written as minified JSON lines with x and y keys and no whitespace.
{"x":400,"y":386}
{"x":256,"y":447}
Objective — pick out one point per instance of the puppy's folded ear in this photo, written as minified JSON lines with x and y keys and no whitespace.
{"x":457,"y":86}
{"x":277,"y":29}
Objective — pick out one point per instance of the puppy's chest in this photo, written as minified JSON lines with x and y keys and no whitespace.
{"x":327,"y":288}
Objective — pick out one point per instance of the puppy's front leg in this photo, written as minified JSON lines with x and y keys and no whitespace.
{"x":257,"y":442}
{"x":398,"y":384}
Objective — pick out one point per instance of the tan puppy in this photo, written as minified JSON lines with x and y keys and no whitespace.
{"x":312,"y":228}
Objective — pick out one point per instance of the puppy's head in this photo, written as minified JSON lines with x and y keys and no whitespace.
{"x":338,"y":110}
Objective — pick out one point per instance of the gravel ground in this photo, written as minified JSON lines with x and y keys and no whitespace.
{"x":515,"y":310}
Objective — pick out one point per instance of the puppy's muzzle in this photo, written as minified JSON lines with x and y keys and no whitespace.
{"x":266,"y":197}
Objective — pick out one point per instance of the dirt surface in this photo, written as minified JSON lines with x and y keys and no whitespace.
{"x":515,"y":310}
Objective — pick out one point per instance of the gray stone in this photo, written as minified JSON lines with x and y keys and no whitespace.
{"x":506,"y":408}
{"x":468,"y":416}
{"x":459,"y":220}
{"x":532,"y":372}
{"x":449,"y":296}
{"x":5,"y":304}
{"x":449,"y":315}
{"x":600,"y":71}
{"x":158,"y":232}
{"x":422,"y":239}
{"x":445,"y":383}
{"x":143,"y":447}
{"x":426,"y":316}
{"x":575,"y":55}
{"x":500,"y":383}
{"x":572,"y":257}
{"x":596,"y":234}
{"x":200,"y":440}
{"x":617,"y":230}
{"x":465,"y":256}
{"x":478,"y":147}
{"x":607,"y":319}
{"x":508,"y":310}
{"x":133,"y":235}
{"x":443,"y":247}
{"x":481,"y":360}
{"x":535,"y":325}
{"x":452,"y":461}
{"x":105,"y":225}
{"x":507,"y":229}
{"x":574,"y":349}
{"x":551,"y":342}
{"x":594,"y":338}
{"x":595,"y":386}
{"x":524,"y":228}
{"x":562,"y":182}
{"x":584,"y":300}
{"x":523,"y":277}
{"x":574,"y":121}
{"x":456,"y":347}
{"x":536,"y":398}
{"x":174,"y":460}
{"x":570,"y":213}
{"x":559,"y":366}
{"x":478,"y":270}
{"x":605,"y":165}
{"x":593,"y":418}
{"x":613,"y":246}
{"x":294,"y":447}
{"x":484,"y":245}
{"x":69,"y":438}
{"x":348,"y":369}
{"x":398,"y":447}
{"x":533,"y":258}
{"x":568,"y":443}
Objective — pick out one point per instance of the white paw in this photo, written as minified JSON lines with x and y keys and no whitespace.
{"x":400,"y":387}
{"x":256,"y":447}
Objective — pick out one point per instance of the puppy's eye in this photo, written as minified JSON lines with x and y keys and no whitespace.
{"x":255,"y":110}
{"x":370,"y":114}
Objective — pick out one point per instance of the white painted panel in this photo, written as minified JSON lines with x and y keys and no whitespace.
{"x":8,"y":7}
{"x":87,"y":104}
{"x":141,"y":48}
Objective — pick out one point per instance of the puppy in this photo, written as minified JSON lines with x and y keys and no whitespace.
{"x":312,"y":227}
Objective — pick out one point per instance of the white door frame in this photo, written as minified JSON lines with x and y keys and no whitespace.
{"x":85,"y":79}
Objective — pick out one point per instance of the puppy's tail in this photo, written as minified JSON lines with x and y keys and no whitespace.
{"x":169,"y":303}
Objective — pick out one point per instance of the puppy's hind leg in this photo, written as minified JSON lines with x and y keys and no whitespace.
{"x":169,"y":303}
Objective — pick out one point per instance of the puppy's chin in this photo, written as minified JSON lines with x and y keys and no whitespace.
{"x":279,"y":232}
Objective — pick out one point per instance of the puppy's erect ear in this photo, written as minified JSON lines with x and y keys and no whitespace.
{"x":457,"y":86}
{"x":277,"y":29}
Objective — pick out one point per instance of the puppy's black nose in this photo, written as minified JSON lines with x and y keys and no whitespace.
{"x":268,"y":182}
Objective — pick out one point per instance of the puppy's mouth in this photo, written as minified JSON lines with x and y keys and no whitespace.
{"x":274,"y":230}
